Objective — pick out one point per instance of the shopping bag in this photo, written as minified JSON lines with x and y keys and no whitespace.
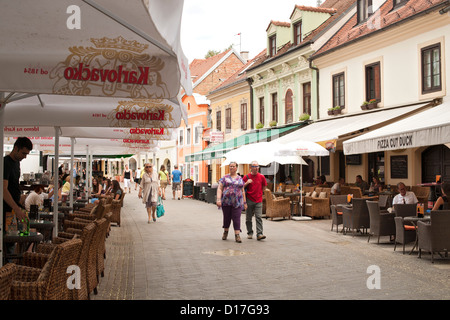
{"x":160,"y":208}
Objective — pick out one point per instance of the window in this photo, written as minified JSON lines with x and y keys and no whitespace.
{"x":338,"y":90}
{"x":188,"y":136}
{"x":275,"y":107}
{"x":180,"y":137}
{"x":399,"y":2}
{"x":244,"y":116}
{"x":261,"y":110}
{"x":373,"y":82}
{"x":198,"y":134}
{"x":219,"y":120}
{"x":228,"y":119}
{"x":272,"y":45}
{"x":431,"y":68}
{"x":307,"y":98}
{"x":364,"y":10}
{"x":297,"y":33}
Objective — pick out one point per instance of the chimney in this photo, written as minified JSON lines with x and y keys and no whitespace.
{"x":244,"y":55}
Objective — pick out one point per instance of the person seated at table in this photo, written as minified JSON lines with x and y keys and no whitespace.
{"x":363,"y":185}
{"x":66,"y":186}
{"x":336,"y":188}
{"x":404,"y":196}
{"x":116,"y":190}
{"x":34,"y":198}
{"x":51,"y":191}
{"x":375,"y":186}
{"x":288,"y":180}
{"x":96,"y":188}
{"x":321,"y":180}
{"x":442,"y":201}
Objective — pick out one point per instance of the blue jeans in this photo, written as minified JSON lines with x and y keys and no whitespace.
{"x":254,"y":208}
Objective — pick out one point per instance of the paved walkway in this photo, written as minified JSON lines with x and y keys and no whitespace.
{"x":182,"y":257}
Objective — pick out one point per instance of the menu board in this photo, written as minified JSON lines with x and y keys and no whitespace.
{"x":399,"y":167}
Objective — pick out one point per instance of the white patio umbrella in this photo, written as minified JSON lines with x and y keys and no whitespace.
{"x":91,"y":48}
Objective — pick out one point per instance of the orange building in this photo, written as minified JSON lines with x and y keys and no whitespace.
{"x":206,"y":75}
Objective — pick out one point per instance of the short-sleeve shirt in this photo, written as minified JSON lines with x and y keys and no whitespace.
{"x":232,"y":191}
{"x":176,"y":176}
{"x":11,"y":172}
{"x":409,"y":197}
{"x":256,"y":188}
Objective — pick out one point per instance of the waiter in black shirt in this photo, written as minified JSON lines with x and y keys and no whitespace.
{"x":11,"y":176}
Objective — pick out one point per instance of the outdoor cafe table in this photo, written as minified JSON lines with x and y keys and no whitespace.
{"x":293,"y":197}
{"x":414,"y":220}
{"x":23,"y":243}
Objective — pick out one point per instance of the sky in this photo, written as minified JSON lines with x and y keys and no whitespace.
{"x":214,"y":24}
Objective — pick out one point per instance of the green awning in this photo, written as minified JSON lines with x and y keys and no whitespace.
{"x":219,"y":150}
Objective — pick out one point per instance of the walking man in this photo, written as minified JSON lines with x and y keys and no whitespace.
{"x":176,"y":182}
{"x":255,"y":184}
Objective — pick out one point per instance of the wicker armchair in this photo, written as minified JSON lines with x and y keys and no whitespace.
{"x":421,"y":193}
{"x":357,"y":217}
{"x":85,"y":236}
{"x":381,"y":224}
{"x":277,"y":208}
{"x":6,"y":277}
{"x":318,"y":204}
{"x":355,"y":191}
{"x":50,"y":282}
{"x":116,"y":207}
{"x":336,"y":217}
{"x":405,"y":232}
{"x":435,"y":236}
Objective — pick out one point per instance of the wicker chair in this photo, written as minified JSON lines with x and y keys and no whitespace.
{"x":435,"y":236}
{"x":357,"y":217}
{"x":116,"y":207}
{"x":355,"y":191}
{"x":6,"y":277}
{"x":50,"y":282}
{"x":318,"y":206}
{"x":381,"y":224}
{"x":86,"y":237}
{"x":336,"y":217}
{"x":405,"y":232}
{"x":277,"y":208}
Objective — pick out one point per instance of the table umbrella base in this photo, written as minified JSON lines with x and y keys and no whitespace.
{"x":301,"y":218}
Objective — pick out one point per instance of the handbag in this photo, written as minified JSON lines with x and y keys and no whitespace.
{"x":160,"y":208}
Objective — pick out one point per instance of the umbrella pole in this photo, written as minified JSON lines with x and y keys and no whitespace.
{"x":2,"y":124}
{"x":301,"y":218}
{"x":72,"y":140}
{"x":56,"y":184}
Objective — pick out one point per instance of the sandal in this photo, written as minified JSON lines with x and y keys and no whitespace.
{"x":238,"y":238}
{"x":225,"y":235}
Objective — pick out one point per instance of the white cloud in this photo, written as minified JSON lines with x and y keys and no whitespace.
{"x":214,"y":25}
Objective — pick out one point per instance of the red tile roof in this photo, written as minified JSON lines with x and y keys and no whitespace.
{"x":279,"y":24}
{"x":241,"y":74}
{"x":384,"y":17}
{"x":199,"y":67}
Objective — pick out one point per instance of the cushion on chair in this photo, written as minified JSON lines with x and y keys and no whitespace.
{"x":339,"y":212}
{"x":323,"y":195}
{"x":314,"y":194}
{"x":409,"y":227}
{"x":308,"y":194}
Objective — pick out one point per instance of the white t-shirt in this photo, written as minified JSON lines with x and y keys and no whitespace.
{"x":409,"y":197}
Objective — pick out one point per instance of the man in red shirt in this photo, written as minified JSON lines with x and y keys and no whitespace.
{"x":255,"y":183}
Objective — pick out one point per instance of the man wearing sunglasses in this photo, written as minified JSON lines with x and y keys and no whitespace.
{"x":255,"y":183}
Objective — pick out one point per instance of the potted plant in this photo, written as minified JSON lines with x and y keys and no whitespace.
{"x":372,"y":104}
{"x":259,"y":125}
{"x":272,"y":123}
{"x":330,"y":111}
{"x":304,"y":117}
{"x":364,"y":105}
{"x":337,"y":110}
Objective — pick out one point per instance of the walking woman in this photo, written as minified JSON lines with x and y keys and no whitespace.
{"x":231,"y":198}
{"x":149,"y":190}
{"x":163,"y":177}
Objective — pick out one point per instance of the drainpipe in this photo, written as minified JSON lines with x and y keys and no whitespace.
{"x":250,"y":81}
{"x":317,"y":80}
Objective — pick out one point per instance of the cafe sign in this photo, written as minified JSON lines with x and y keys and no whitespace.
{"x":396,"y":142}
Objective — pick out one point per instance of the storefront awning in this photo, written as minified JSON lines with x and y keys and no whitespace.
{"x":429,"y":127}
{"x":326,"y":132}
{"x":218,"y":151}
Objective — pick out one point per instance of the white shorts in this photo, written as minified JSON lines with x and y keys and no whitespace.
{"x":126,"y":183}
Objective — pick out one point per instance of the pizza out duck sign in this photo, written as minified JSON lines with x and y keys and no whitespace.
{"x":111,"y":67}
